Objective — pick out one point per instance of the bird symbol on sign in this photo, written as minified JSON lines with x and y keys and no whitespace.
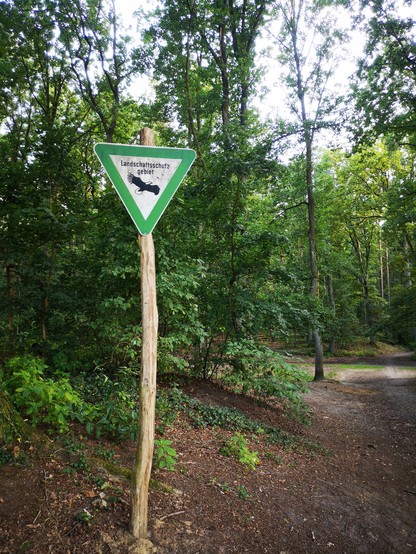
{"x":141,"y":185}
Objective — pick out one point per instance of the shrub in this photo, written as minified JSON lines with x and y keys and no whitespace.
{"x":110,"y":406}
{"x":165,"y":455}
{"x":40,"y":399}
{"x":237,"y":446}
{"x":260,"y":371}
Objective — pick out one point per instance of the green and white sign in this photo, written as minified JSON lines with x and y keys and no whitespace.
{"x":145,"y":178}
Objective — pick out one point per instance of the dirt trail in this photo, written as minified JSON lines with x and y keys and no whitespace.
{"x":361,"y":498}
{"x":369,"y":419}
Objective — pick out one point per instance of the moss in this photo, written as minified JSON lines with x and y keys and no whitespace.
{"x":118,"y":470}
{"x":163,"y":487}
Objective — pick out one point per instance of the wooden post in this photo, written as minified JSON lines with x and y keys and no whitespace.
{"x":147,"y":388}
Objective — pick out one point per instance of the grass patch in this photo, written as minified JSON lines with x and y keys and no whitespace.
{"x":366,"y":367}
{"x":330,"y":374}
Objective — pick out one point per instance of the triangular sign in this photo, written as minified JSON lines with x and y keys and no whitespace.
{"x":145,"y":177}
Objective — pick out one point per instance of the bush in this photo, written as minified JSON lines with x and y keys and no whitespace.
{"x":40,"y":399}
{"x":110,"y":406}
{"x":237,"y":446}
{"x":260,"y":371}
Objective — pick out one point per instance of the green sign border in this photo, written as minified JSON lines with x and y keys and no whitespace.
{"x":187,"y":156}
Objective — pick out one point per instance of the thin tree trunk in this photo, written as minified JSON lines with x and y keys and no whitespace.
{"x":225,"y":109}
{"x":308,"y":139}
{"x":233,"y":255}
{"x":332,"y":304}
{"x":147,"y":389}
{"x":191,"y":117}
{"x":380,"y":250}
{"x":407,"y":268}
{"x":319,"y":354}
{"x":363,"y":263}
{"x":43,"y":317}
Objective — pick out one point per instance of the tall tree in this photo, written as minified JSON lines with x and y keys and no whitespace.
{"x":384,"y":88}
{"x":205,"y":70}
{"x":91,"y":32}
{"x":41,"y":127}
{"x":307,"y":40}
{"x":49,"y":177}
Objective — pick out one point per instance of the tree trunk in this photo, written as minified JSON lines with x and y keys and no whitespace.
{"x":147,"y":389}
{"x":308,"y":135}
{"x":332,"y":304}
{"x":368,"y":313}
{"x":225,"y":108}
{"x":319,"y":354}
{"x":363,"y":264}
{"x":43,"y":317}
{"x":407,"y":268}
{"x":380,"y":253}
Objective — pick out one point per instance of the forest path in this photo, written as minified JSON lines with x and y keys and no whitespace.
{"x":368,"y":417}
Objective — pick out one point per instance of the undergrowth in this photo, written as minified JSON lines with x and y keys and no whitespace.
{"x":258,"y":370}
{"x":199,"y":414}
{"x":109,"y":407}
{"x":237,"y":446}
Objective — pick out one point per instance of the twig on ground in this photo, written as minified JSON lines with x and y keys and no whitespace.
{"x":172,"y":514}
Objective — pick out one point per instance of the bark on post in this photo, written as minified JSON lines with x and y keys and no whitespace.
{"x":147,"y":388}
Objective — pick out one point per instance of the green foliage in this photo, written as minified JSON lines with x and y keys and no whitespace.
{"x":276,"y":458}
{"x":237,"y":446}
{"x":106,"y":407}
{"x":5,"y":456}
{"x":384,"y":86}
{"x":104,"y":453}
{"x":42,"y":400}
{"x":179,"y":318}
{"x":403,"y":315}
{"x":223,"y":487}
{"x":166,"y":456}
{"x":168,"y":404}
{"x":242,"y":492}
{"x":110,"y":406}
{"x":205,"y":415}
{"x":232,"y":250}
{"x":78,"y":458}
{"x":260,"y":371}
{"x":84,"y":516}
{"x":12,"y":426}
